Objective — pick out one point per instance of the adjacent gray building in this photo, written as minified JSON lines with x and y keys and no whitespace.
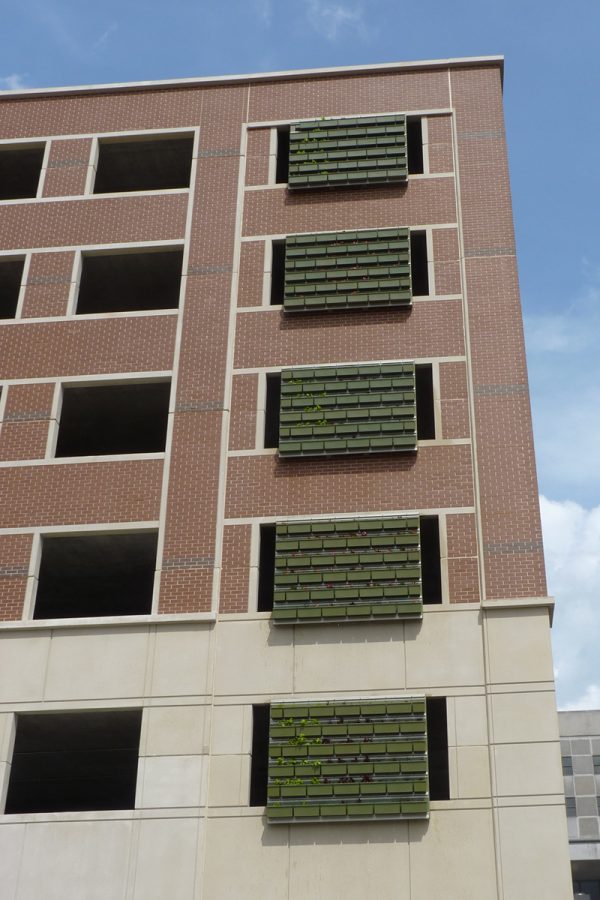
{"x":580,"y":750}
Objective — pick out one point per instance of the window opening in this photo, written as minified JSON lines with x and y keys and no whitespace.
{"x":419,"y":273}
{"x":567,"y":765}
{"x":11,"y":275}
{"x":130,"y":282}
{"x":425,"y":404}
{"x":278,"y":273}
{"x":437,"y":742}
{"x":88,"y":575}
{"x":266,"y":568}
{"x":431,"y":577}
{"x":272,"y":409}
{"x":74,"y":761}
{"x":155,"y":164}
{"x":106,"y":419}
{"x":20,"y":170}
{"x":283,"y":155}
{"x":260,"y":754}
{"x":414,"y":140}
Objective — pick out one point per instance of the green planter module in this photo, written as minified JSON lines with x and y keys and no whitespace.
{"x":347,"y":270}
{"x":319,"y":774}
{"x":348,"y":570}
{"x":348,"y":409}
{"x":330,"y":153}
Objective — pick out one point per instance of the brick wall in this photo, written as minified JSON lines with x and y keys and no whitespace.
{"x":475,"y":267}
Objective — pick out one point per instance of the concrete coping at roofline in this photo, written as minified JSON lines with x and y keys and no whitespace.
{"x":291,"y":74}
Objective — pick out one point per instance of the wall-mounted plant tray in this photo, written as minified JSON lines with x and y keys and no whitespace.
{"x":347,"y":570}
{"x":347,"y":270}
{"x":341,"y":152}
{"x":331,"y":760}
{"x":348,"y":409}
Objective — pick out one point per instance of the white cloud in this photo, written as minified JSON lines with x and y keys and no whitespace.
{"x":14,"y":82}
{"x":570,"y":331}
{"x":590,"y":699}
{"x":564,"y":370}
{"x":105,"y":36}
{"x":572,"y":545}
{"x":330,"y":17}
{"x":263,"y":10}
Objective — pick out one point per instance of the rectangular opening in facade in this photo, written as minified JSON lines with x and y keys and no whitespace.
{"x":425,"y":404}
{"x":11,"y":275}
{"x":437,"y":748}
{"x":431,"y":576}
{"x":148,"y":164}
{"x":117,"y":418}
{"x":419,"y":274}
{"x":260,"y":754}
{"x":272,"y":409}
{"x":88,"y":575}
{"x":266,"y":568}
{"x":283,"y":155}
{"x":414,"y":140}
{"x":278,"y":273}
{"x":20,"y":169}
{"x":130,"y":282}
{"x":74,"y":761}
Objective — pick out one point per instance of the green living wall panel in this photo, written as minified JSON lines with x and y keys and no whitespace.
{"x":340,"y":152}
{"x":362,"y":759}
{"x":348,"y":409}
{"x":347,"y":270}
{"x":347,"y":570}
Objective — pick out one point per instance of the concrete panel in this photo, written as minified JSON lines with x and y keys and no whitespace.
{"x":535,"y":852}
{"x":166,"y":859}
{"x":254,"y":658}
{"x":518,"y":645}
{"x":87,"y":664}
{"x":349,"y":658}
{"x":526,"y":769}
{"x":75,"y":859}
{"x":23,"y":660}
{"x":245,"y":858}
{"x":453,"y":856}
{"x":173,"y":730}
{"x":181,"y":660}
{"x":470,"y":716}
{"x":446,"y":651}
{"x":523,"y":717}
{"x":229,"y":783}
{"x":473,"y":772}
{"x":353,"y":861}
{"x":231,"y":729}
{"x":170,"y":781}
{"x":11,"y":843}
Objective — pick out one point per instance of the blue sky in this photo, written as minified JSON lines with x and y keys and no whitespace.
{"x":553,"y":126}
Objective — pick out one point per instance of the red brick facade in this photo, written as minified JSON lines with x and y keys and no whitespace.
{"x":481,"y":469}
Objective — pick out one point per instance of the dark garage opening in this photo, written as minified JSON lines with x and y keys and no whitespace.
{"x":259,"y":765}
{"x":106,"y":419}
{"x":130,"y":282}
{"x":96,"y":575}
{"x":437,"y":748}
{"x":74,"y":761}
{"x":425,"y":403}
{"x":431,"y":572}
{"x":11,"y":275}
{"x":156,"y":164}
{"x":419,"y":272}
{"x":20,"y":170}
